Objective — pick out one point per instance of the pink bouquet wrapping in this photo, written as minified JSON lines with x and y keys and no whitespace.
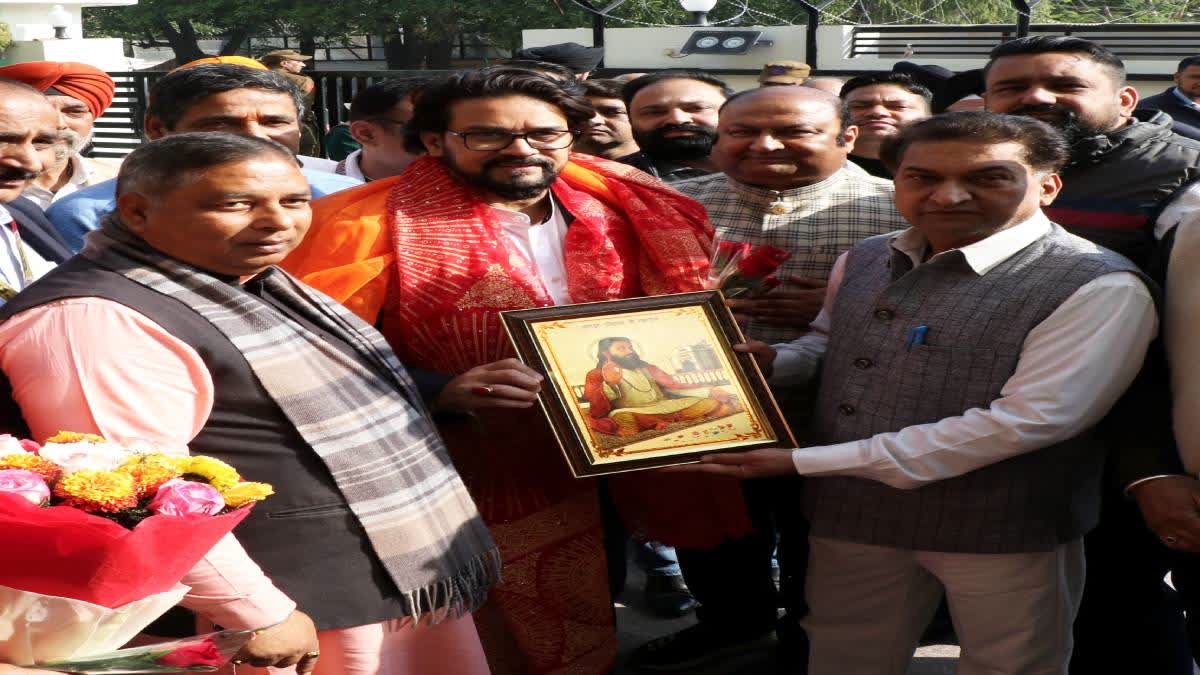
{"x":96,"y":538}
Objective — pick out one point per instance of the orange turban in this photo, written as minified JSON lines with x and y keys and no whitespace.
{"x":77,"y":80}
{"x":231,"y":60}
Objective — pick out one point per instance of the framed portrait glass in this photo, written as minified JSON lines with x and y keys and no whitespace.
{"x":647,"y":382}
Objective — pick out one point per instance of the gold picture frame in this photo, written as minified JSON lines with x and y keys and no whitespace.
{"x":646,"y":382}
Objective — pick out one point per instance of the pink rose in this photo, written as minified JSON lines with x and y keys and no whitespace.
{"x":25,"y":484}
{"x":179,"y":497}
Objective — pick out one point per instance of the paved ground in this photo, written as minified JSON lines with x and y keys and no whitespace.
{"x":636,"y":625}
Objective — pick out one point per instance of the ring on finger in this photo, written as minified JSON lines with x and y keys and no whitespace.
{"x":1170,"y":541}
{"x":481,"y":390}
{"x":312,"y":655}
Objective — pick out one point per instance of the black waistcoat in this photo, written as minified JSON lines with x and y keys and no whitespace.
{"x":304,"y":536}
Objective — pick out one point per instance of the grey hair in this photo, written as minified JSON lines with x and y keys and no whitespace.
{"x":161,"y":166}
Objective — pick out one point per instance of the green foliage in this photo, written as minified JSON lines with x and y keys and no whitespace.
{"x":499,"y":22}
{"x":6,"y":38}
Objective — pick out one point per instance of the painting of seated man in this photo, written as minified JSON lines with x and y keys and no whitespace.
{"x":628,"y":396}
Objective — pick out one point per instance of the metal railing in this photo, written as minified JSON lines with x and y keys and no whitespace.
{"x":1128,"y":41}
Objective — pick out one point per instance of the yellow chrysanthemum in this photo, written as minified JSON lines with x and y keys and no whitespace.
{"x":49,"y":471}
{"x":218,"y":474}
{"x":75,"y":437}
{"x":244,"y":493}
{"x":150,"y":471}
{"x":104,"y":491}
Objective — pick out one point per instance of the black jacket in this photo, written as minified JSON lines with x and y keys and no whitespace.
{"x":37,"y":231}
{"x":1187,"y":120}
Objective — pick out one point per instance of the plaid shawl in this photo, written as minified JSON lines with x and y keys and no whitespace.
{"x":372,"y":432}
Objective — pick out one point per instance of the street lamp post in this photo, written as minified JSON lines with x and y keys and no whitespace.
{"x":59,"y":19}
{"x":699,"y":10}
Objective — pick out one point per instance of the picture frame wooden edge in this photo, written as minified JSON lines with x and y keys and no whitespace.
{"x":518,"y":324}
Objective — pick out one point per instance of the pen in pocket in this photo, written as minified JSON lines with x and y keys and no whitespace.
{"x":916,"y":336}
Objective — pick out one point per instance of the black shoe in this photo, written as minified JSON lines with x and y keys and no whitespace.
{"x":668,"y":597}
{"x":696,"y":646}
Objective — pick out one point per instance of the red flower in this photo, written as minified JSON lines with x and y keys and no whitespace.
{"x":197,"y":654}
{"x":762,"y":261}
{"x":727,"y":253}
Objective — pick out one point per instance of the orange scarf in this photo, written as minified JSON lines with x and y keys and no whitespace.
{"x":423,"y":258}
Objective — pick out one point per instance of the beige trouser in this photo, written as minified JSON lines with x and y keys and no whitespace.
{"x":868,"y":606}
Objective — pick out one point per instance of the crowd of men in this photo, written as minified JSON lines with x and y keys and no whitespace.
{"x":982,"y":342}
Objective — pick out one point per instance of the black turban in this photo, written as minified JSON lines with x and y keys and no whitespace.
{"x":570,"y":54}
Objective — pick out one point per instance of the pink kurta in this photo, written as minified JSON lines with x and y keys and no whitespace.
{"x":96,"y":366}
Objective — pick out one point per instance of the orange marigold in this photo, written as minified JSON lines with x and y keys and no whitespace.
{"x":103,"y":491}
{"x":49,"y":471}
{"x":150,"y":471}
{"x":74,"y":437}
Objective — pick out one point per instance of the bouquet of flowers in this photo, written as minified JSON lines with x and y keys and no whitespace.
{"x":96,"y":537}
{"x":741,"y":269}
{"x":194,"y":654}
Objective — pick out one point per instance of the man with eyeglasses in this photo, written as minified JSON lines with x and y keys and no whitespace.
{"x":378,"y":115}
{"x":500,"y":215}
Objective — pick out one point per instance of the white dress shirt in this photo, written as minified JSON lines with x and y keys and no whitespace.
{"x":542,"y":246}
{"x":1183,"y":320}
{"x":81,"y":177}
{"x":352,"y":166}
{"x":10,"y":256}
{"x":1073,"y":367}
{"x":317,"y":163}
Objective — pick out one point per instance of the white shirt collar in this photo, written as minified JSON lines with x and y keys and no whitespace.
{"x":5,"y":216}
{"x":354,"y":165}
{"x":80,"y":175}
{"x":1183,"y":98}
{"x":984,"y":254}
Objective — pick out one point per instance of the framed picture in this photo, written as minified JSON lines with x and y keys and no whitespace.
{"x":648,"y":382}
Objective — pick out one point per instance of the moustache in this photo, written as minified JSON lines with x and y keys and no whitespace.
{"x":694,"y":128}
{"x":14,"y":174}
{"x":1039,"y":108}
{"x":540,"y":162}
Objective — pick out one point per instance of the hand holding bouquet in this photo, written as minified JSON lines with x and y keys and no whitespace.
{"x":98,"y":535}
{"x":744,"y":270}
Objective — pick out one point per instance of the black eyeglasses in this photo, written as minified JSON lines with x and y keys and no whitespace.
{"x":544,"y":139}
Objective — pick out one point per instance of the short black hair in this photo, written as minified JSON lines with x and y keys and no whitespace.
{"x":378,"y":99}
{"x":160,"y":166}
{"x":603,"y":88}
{"x":171,"y":96}
{"x":1188,"y":62}
{"x":1059,"y":44}
{"x":1045,"y":148}
{"x":902,"y":80}
{"x":431,"y":109}
{"x":632,"y":87}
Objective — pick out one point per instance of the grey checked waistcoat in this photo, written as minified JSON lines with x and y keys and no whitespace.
{"x":977,"y":324}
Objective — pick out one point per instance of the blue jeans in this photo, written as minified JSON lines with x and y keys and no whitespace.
{"x":655,"y":559}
